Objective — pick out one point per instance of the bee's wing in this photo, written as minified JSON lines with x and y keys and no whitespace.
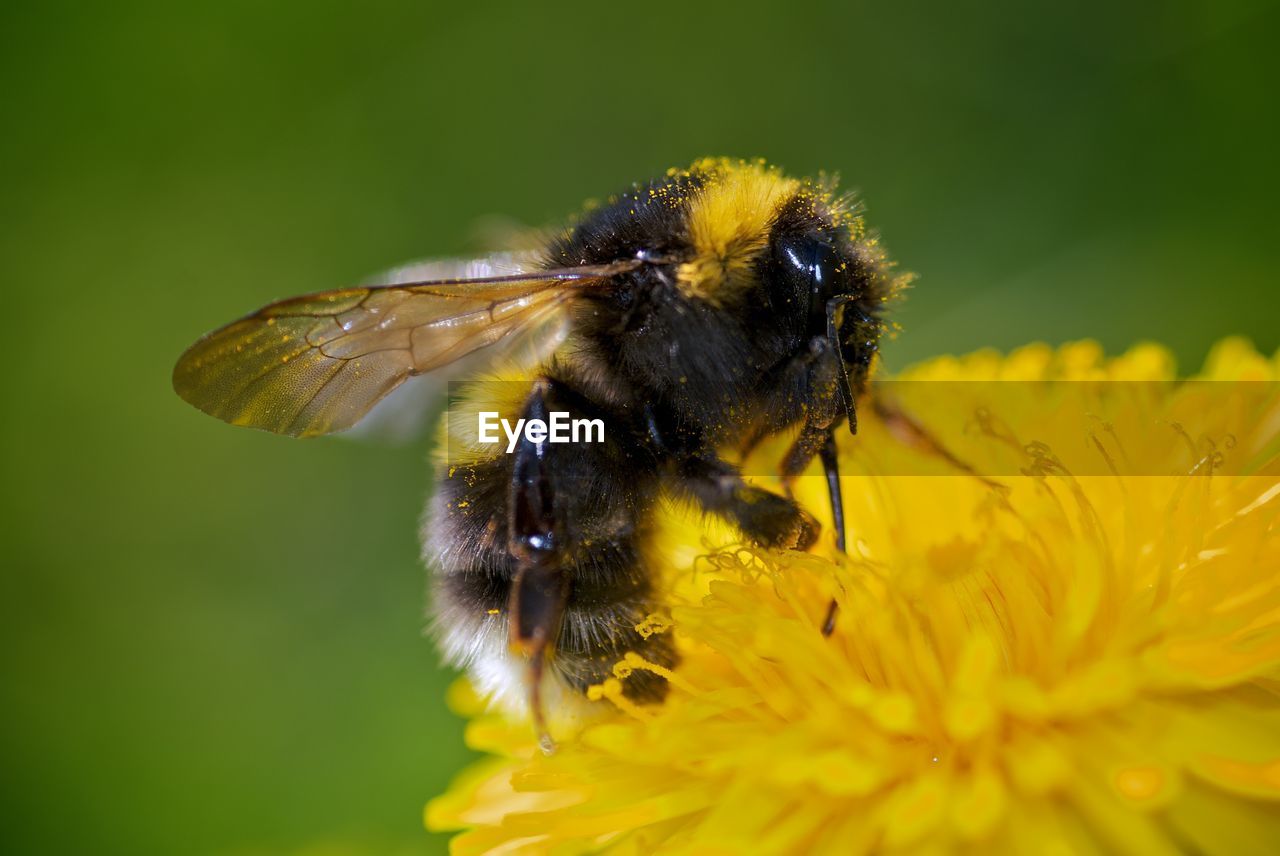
{"x":405,"y":413}
{"x":461,"y":269}
{"x":317,"y":364}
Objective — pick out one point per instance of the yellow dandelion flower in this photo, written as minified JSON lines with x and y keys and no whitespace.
{"x":1078,"y":653}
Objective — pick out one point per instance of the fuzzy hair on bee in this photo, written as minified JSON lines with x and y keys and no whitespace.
{"x":723,"y":338}
{"x":691,"y":315}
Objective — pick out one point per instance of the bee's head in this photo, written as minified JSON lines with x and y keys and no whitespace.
{"x":823,"y":281}
{"x":743,"y":268}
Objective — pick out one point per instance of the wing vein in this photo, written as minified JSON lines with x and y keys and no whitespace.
{"x":279,"y":368}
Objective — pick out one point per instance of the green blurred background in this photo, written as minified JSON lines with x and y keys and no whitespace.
{"x":211,"y":637}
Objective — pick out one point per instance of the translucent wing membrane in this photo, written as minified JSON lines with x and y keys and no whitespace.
{"x":316,"y":364}
{"x":461,"y":269}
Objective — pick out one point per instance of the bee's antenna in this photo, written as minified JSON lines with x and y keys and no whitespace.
{"x":834,"y":305}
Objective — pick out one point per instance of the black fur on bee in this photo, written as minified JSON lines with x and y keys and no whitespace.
{"x":757,"y":309}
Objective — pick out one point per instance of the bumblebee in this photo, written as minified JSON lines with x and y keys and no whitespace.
{"x":691,"y":315}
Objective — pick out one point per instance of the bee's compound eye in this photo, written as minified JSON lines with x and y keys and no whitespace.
{"x":804,"y":269}
{"x":795,"y":257}
{"x":808,"y":260}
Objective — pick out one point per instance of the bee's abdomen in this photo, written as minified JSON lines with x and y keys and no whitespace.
{"x":603,"y":495}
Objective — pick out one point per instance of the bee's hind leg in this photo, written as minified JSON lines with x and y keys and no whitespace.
{"x":538,"y":595}
{"x":540,"y":589}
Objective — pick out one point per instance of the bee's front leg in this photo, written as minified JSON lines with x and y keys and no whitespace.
{"x":821,"y":395}
{"x":817,"y":438}
{"x":540,"y":588}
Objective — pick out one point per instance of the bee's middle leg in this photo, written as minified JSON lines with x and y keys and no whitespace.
{"x":763,"y":516}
